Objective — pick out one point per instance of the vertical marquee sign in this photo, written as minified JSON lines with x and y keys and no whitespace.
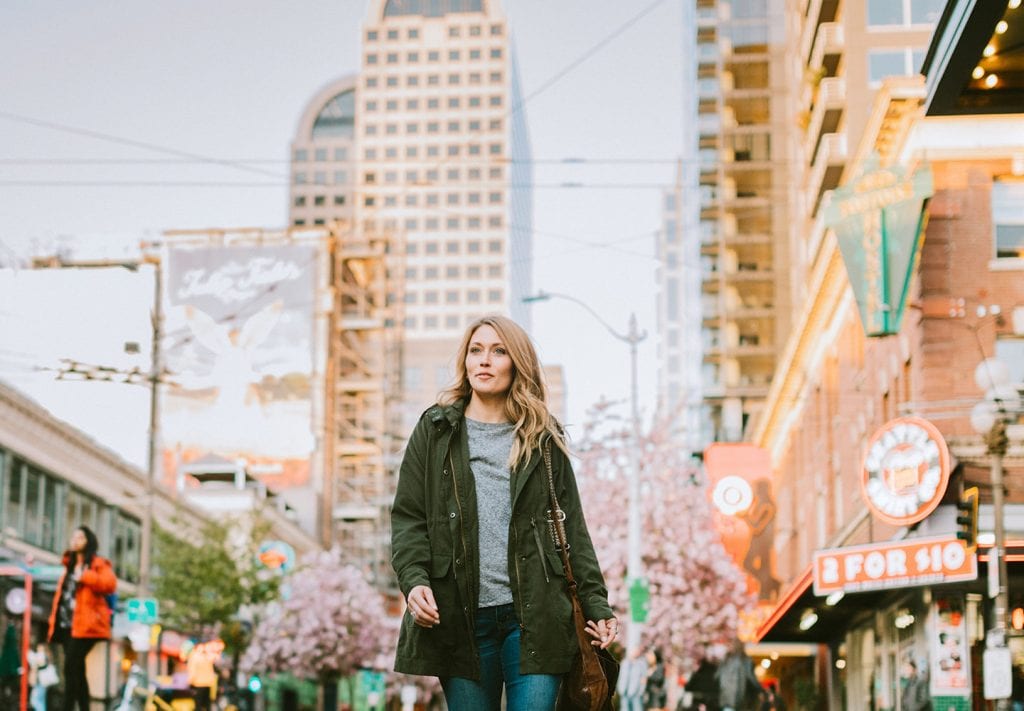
{"x":879,"y":222}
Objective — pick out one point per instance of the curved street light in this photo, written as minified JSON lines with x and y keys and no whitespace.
{"x":634,"y":562}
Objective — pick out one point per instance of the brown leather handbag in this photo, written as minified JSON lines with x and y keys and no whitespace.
{"x":590,"y":683}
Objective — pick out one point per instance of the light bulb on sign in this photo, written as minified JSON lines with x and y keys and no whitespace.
{"x":16,"y":601}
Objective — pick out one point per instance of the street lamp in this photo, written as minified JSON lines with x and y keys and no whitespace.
{"x":989,"y":418}
{"x":634,"y":564}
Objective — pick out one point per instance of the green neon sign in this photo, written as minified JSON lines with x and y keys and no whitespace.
{"x":879,"y":221}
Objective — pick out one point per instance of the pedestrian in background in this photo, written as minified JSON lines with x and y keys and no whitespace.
{"x":41,"y":676}
{"x":632,"y":681}
{"x":915,"y":696}
{"x":472,"y":535}
{"x":81,"y":616}
{"x":736,"y":680}
{"x":655,"y":696}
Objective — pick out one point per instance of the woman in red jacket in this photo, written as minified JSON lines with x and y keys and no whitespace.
{"x":81,"y":615}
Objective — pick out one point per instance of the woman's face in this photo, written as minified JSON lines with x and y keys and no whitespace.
{"x":488,"y":364}
{"x":78,"y":541}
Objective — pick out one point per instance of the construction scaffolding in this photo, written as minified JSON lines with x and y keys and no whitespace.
{"x":363,"y":390}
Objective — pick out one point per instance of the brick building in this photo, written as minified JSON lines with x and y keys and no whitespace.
{"x":835,"y":386}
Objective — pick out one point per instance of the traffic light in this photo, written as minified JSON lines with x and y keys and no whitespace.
{"x":967,"y":517}
{"x":255,"y":684}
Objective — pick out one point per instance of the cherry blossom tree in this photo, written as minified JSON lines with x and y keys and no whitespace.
{"x":329,"y":623}
{"x":696,"y":591}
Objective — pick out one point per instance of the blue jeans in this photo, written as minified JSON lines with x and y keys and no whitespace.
{"x":497,"y":640}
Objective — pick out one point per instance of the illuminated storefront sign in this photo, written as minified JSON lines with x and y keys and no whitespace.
{"x":900,"y":564}
{"x":906,"y":471}
{"x":879,"y":222}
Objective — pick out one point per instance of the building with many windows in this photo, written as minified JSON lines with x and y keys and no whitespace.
{"x":428,"y":145}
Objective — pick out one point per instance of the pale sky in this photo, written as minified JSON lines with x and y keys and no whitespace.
{"x":228,"y":80}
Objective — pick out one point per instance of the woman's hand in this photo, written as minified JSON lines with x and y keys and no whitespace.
{"x":422,"y":607}
{"x":604,"y":632}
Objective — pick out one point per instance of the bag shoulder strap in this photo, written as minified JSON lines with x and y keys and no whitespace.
{"x":559,"y":520}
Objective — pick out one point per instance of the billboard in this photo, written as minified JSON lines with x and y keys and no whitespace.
{"x":241,"y":352}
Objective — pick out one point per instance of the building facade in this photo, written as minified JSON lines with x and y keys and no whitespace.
{"x":835,"y":386}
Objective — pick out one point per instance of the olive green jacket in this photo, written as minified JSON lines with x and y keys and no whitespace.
{"x":434,"y":541}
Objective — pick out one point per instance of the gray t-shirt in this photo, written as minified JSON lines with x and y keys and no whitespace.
{"x":489,"y":448}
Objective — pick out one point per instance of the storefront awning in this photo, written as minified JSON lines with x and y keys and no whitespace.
{"x":801,"y":616}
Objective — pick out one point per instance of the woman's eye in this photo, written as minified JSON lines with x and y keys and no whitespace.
{"x":500,"y":351}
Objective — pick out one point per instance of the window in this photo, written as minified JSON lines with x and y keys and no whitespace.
{"x":494,"y":295}
{"x":884,"y":63}
{"x":411,"y":248}
{"x":453,"y":31}
{"x":495,"y":101}
{"x":319,"y":201}
{"x":453,"y":78}
{"x":411,"y":223}
{"x":454,"y":127}
{"x":371,"y":129}
{"x":451,"y":247}
{"x":453,"y":55}
{"x":473,"y":246}
{"x":433,"y":79}
{"x":429,"y":322}
{"x":320,"y":154}
{"x":412,"y":57}
{"x":474,"y":174}
{"x":452,"y":174}
{"x":371,"y":36}
{"x":392,"y":58}
{"x":494,"y":124}
{"x":452,"y":223}
{"x":412,"y":105}
{"x":392,"y":82}
{"x":494,"y":173}
{"x":392,"y":34}
{"x":474,"y":77}
{"x":451,"y":272}
{"x":494,"y":149}
{"x":451,"y":321}
{"x":371,"y":82}
{"x":494,"y":271}
{"x":494,"y":198}
{"x":411,"y":151}
{"x":125,"y":549}
{"x":432,"y":199}
{"x":496,"y":53}
{"x":371,"y":105}
{"x":496,"y":30}
{"x":414,"y":34}
{"x":473,"y":296}
{"x":430,"y":273}
{"x":474,"y":30}
{"x":300,"y":201}
{"x":474,"y":149}
{"x":301,"y":154}
{"x":494,"y":246}
{"x":391,"y":152}
{"x":430,"y":297}
{"x":451,"y":297}
{"x":433,"y":127}
{"x":889,"y":13}
{"x":474,"y":54}
{"x":1008,"y":218}
{"x":453,"y":102}
{"x":371,"y":59}
{"x":433,"y":103}
{"x":473,"y":198}
{"x":494,"y":221}
{"x":391,"y":105}
{"x":340,"y":154}
{"x":410,"y":297}
{"x":473,"y":272}
{"x":496,"y":77}
{"x":433,"y":56}
{"x":433,"y":151}
{"x":452,"y":198}
{"x":473,"y":223}
{"x":433,"y":248}
{"x":1011,"y":351}
{"x":412,"y":127}
{"x":339,"y":200}
{"x":391,"y":129}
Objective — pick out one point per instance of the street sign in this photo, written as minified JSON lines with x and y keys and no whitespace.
{"x":997,"y":666}
{"x":144,"y":610}
{"x":639,"y":596}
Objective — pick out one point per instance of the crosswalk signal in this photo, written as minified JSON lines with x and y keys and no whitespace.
{"x":967,"y":517}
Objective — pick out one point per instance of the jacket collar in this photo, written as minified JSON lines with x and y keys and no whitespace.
{"x":452,"y":414}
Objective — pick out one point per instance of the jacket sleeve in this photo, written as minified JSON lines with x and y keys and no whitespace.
{"x":99,"y":577}
{"x":593,"y":592}
{"x":410,"y":543}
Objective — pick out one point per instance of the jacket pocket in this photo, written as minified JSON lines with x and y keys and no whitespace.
{"x":440,"y":565}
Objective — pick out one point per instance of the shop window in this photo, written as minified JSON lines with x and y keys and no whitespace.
{"x":1008,"y":218}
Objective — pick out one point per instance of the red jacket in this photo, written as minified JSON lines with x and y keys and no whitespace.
{"x":91,"y":618}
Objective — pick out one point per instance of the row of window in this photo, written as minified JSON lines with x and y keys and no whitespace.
{"x":392,"y":177}
{"x":452,"y":150}
{"x":473,"y":78}
{"x":318,"y":201}
{"x":454,"y":55}
{"x":412,"y":128}
{"x":884,"y":63}
{"x":432,"y":199}
{"x":301,"y":155}
{"x":454,"y":297}
{"x":472,"y":271}
{"x":44,"y":510}
{"x":428,"y":323}
{"x":455,"y":247}
{"x":454,"y":102}
{"x":413,"y":224}
{"x":413,"y":33}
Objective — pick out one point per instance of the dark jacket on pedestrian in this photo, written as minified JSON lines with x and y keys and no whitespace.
{"x":736,"y":681}
{"x":915,"y":696}
{"x":434,"y":538}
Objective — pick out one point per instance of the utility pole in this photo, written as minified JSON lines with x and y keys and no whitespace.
{"x":154,"y":378}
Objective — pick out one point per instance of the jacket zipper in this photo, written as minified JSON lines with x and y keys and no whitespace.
{"x":540,"y":549}
{"x":458,"y":504}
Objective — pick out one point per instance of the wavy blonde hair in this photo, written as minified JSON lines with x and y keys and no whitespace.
{"x":526,"y":399}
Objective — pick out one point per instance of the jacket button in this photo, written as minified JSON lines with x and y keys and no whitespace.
{"x":533,"y":653}
{"x":458,"y":561}
{"x":445,"y":472}
{"x":527,"y":606}
{"x":522,"y":557}
{"x":451,"y":515}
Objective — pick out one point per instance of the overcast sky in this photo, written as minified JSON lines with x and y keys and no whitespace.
{"x":229,"y":80}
